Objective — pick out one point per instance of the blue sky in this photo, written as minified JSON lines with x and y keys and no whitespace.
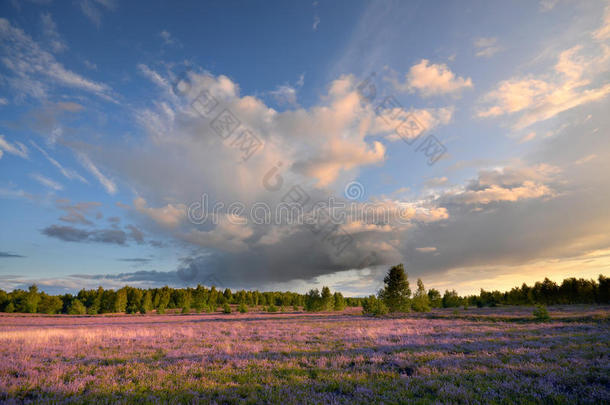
{"x":101,"y":157}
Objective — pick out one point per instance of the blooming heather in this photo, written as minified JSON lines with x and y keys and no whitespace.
{"x":490,"y":355}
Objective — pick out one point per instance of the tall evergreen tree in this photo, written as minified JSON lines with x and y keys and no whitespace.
{"x":396,"y":292}
{"x":327,"y":299}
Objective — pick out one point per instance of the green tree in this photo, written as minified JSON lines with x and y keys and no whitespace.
{"x":120,"y":301}
{"x":327,"y":299}
{"x":603,"y":290}
{"x":451,"y":299}
{"x":31,"y":300}
{"x":339,"y":302}
{"x":50,"y":304}
{"x":374,"y":306}
{"x":10,"y":307}
{"x":434,"y":296}
{"x":146,"y":302}
{"x":77,"y":308}
{"x":313,"y":301}
{"x":396,"y":292}
{"x":420,"y":302}
{"x":134,"y":300}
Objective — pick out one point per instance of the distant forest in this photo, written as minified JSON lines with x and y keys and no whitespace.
{"x":203,"y":299}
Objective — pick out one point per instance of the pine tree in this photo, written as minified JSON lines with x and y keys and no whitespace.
{"x":327,"y":299}
{"x":146,"y":302}
{"x":396,"y":292}
{"x":339,"y":302}
{"x":421,"y":302}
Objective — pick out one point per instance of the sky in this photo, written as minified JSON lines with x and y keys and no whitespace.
{"x":146,"y":143}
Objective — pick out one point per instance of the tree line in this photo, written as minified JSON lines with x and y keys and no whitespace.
{"x":137,"y":300}
{"x":396,"y":296}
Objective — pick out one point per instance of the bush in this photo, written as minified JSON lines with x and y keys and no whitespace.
{"x":295,"y":307}
{"x":374,"y":306}
{"x":186,"y":309}
{"x":540,"y":313}
{"x":243,"y":308}
{"x":226,"y":308}
{"x":271,"y":308}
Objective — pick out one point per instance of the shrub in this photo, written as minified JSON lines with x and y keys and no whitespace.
{"x":374,"y":306}
{"x":271,"y":308}
{"x":295,"y":307}
{"x":186,"y":309}
{"x":243,"y":308}
{"x":226,"y":308}
{"x":540,"y":313}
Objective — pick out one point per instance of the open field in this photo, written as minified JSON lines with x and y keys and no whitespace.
{"x":491,"y":355}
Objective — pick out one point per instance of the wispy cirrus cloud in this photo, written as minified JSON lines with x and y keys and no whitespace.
{"x":16,"y":148}
{"x":49,"y":27}
{"x":486,"y":47}
{"x":107,"y":183}
{"x":45,"y":181}
{"x":67,"y":173}
{"x":35,"y":71}
{"x":92,"y":9}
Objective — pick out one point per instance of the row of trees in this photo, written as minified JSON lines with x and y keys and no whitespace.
{"x":133,"y":300}
{"x":396,"y":296}
{"x":325,"y":301}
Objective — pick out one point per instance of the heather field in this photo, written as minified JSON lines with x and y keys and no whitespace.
{"x":489,"y":355}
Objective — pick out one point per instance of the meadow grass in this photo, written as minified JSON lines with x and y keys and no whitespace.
{"x":487,"y":355}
